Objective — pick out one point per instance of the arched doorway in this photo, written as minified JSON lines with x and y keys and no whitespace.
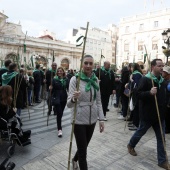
{"x":125,"y":63}
{"x":11,"y":56}
{"x":65,"y":64}
{"x":40,"y":60}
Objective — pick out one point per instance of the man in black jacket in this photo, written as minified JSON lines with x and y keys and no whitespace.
{"x":107,"y":84}
{"x":166,"y":76}
{"x":49,"y":77}
{"x":147,"y":110}
{"x":18,"y":84}
{"x":37,"y":83}
{"x":4,"y":69}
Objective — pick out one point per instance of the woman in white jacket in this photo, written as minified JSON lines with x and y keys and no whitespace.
{"x":89,"y":109}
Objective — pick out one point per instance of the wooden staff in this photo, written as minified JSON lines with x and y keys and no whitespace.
{"x":24,"y":45}
{"x":158,"y":113}
{"x":75,"y":106}
{"x":44,"y":92}
{"x":49,"y":97}
{"x":128,"y":108}
{"x":16,"y":82}
{"x":100,"y":63}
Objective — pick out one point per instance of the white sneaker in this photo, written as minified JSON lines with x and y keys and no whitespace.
{"x":105,"y":118}
{"x":121,"y":117}
{"x":60,"y":133}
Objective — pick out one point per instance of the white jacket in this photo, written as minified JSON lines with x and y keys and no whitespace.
{"x":88,"y":109}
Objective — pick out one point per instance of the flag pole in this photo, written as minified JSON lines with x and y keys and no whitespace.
{"x":25,"y":50}
{"x":157,"y":109}
{"x":100,"y":64}
{"x":75,"y":106}
{"x":49,"y":102}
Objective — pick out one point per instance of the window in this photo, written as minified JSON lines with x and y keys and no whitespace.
{"x":127,"y":29}
{"x":140,"y":46}
{"x":126,"y":47}
{"x":141,"y":26}
{"x":154,"y":45}
{"x":155,"y":23}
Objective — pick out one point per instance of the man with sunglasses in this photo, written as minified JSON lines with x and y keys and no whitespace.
{"x":49,"y":77}
{"x":107,"y":84}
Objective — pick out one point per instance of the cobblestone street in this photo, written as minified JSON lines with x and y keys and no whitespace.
{"x":107,"y":151}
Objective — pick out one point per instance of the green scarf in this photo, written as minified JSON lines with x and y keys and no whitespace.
{"x":155,"y":79}
{"x":54,"y":71}
{"x":137,"y":72}
{"x":91,"y":81}
{"x":35,"y":70}
{"x":3,"y":67}
{"x":31,"y":77}
{"x":42,"y":72}
{"x":106,"y":72}
{"x":6,"y":78}
{"x":62,"y":80}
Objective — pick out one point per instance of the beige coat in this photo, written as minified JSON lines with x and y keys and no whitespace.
{"x":88,"y":110}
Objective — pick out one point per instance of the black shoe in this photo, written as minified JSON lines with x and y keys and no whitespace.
{"x":38,"y":101}
{"x":133,"y":128}
{"x":167,"y":131}
{"x":49,"y":113}
{"x":107,"y":110}
{"x":27,"y":134}
{"x":128,"y":119}
{"x":31,"y":105}
{"x":115,"y":105}
{"x":130,"y":125}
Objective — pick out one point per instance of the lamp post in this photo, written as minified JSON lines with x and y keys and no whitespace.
{"x":166,"y":39}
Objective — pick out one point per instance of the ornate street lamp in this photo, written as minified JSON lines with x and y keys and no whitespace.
{"x":166,"y":39}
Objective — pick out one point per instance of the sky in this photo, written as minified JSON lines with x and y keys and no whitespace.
{"x":61,"y":16}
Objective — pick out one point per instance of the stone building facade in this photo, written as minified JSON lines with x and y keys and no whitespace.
{"x":41,"y":49}
{"x":139,"y":30}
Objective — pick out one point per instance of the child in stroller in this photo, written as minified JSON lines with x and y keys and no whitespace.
{"x":9,"y":119}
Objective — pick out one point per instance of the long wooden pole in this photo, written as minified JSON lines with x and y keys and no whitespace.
{"x":100,"y":64}
{"x":75,"y":106}
{"x":49,"y":102}
{"x":158,"y":113}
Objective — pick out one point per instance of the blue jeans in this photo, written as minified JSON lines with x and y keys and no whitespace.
{"x":143,"y":127}
{"x":29,"y":96}
{"x":19,"y":111}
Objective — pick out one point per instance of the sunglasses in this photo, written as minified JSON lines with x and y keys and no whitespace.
{"x":86,"y":63}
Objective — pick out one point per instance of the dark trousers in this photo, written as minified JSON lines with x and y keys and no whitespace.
{"x":83,"y":134}
{"x":58,"y":110}
{"x":36,"y":92}
{"x":49,"y":101}
{"x":105,"y":102}
{"x":167,"y":120}
{"x":135,"y":114}
{"x":117,"y":98}
{"x":125,"y":101}
{"x":143,"y":127}
{"x":29,"y":96}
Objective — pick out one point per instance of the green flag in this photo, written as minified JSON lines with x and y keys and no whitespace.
{"x":102,"y":56}
{"x":25,"y":48}
{"x":145,"y":55}
{"x":32,"y":61}
{"x":53,"y":56}
{"x":78,"y":39}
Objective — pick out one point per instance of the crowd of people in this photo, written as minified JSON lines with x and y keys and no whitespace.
{"x":135,"y":90}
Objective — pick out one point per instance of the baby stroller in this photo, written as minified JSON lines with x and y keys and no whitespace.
{"x":9,"y":133}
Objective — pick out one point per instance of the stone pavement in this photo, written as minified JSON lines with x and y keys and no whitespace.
{"x":106,"y":151}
